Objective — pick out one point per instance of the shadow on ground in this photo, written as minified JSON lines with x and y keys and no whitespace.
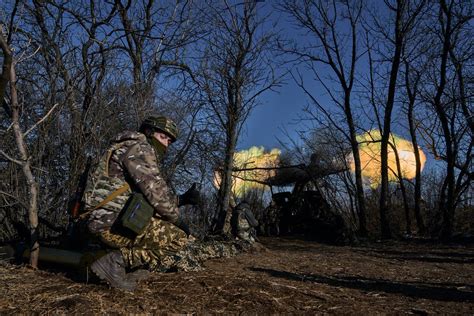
{"x":432,"y":291}
{"x":430,"y":256}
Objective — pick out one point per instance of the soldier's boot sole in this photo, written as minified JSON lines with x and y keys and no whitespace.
{"x":110,"y":271}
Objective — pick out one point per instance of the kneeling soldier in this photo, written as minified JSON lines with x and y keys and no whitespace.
{"x":131,"y":209}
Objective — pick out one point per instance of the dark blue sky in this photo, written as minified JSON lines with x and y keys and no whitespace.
{"x":279,"y":112}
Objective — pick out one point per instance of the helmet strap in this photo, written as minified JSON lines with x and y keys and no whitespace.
{"x":159,"y":148}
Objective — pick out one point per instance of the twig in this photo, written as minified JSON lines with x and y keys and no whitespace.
{"x":9,"y":127}
{"x":14,"y":197}
{"x":40,"y":121}
{"x":22,"y":58}
{"x":8,"y":194}
{"x":19,"y":162}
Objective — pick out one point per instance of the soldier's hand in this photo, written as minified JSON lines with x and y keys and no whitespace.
{"x":192,"y":196}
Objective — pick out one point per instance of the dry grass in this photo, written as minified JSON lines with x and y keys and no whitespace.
{"x":290,"y":276}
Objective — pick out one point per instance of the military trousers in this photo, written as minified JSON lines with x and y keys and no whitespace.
{"x":159,"y":239}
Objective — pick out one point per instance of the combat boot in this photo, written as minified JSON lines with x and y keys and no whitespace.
{"x":138,"y":275}
{"x":111,"y":268}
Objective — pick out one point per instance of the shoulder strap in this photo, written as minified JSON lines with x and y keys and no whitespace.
{"x":108,"y":156}
{"x":112,"y":195}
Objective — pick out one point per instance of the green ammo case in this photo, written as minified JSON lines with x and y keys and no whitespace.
{"x":136,"y":213}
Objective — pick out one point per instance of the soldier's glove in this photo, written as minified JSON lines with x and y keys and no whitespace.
{"x":192,"y":196}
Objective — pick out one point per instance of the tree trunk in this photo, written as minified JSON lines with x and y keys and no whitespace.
{"x":417,"y":209}
{"x":360,"y":198}
{"x":225,"y":190}
{"x":404,"y":192}
{"x":384,"y":207}
{"x":446,"y":203}
{"x":417,"y":194}
{"x":9,"y":74}
{"x":26,"y":166}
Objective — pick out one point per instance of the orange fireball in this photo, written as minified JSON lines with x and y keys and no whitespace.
{"x":369,"y":150}
{"x":251,"y":177}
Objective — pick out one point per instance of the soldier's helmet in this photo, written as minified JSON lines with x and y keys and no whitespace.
{"x":162,"y":124}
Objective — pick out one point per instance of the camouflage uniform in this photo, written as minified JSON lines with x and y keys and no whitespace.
{"x":131,"y":159}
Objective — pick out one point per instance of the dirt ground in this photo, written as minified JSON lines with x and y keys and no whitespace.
{"x":283,"y":276}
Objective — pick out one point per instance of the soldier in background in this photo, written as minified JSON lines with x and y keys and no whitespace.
{"x":272,"y":219}
{"x":243,"y":222}
{"x":131,"y":166}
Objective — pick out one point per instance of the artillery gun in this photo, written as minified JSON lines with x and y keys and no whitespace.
{"x":303,"y":210}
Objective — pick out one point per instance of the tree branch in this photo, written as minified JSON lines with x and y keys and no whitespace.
{"x":41,"y":120}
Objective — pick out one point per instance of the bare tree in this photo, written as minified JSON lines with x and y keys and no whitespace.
{"x":412,"y":89}
{"x":434,"y":80}
{"x":453,"y":18}
{"x":237,"y":70}
{"x":338,"y":49}
{"x":25,"y":160}
{"x":406,"y":15}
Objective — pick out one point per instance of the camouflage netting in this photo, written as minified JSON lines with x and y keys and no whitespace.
{"x":192,"y":257}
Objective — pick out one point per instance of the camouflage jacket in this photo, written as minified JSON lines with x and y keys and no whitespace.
{"x":129,"y":159}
